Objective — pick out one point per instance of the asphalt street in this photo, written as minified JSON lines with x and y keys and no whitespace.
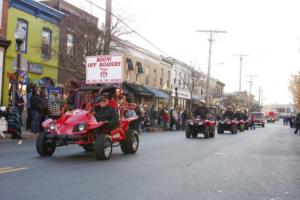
{"x":257,"y":165}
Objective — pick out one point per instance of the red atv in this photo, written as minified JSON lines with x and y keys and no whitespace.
{"x":227,"y":125}
{"x":80,"y":127}
{"x":202,"y":126}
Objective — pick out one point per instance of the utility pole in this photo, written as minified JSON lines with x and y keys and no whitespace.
{"x":107,"y":34}
{"x":250,"y":91}
{"x":241,"y":56}
{"x":210,"y":39}
{"x":260,"y":97}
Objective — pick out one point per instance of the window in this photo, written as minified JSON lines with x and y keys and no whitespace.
{"x":70,"y":44}
{"x":179,"y":79}
{"x":1,"y":5}
{"x":175,"y":74}
{"x":147,"y":75}
{"x":154,"y":77}
{"x":23,"y":24}
{"x":168,"y":81}
{"x":184,"y":81}
{"x":129,"y":65}
{"x":161,"y":77}
{"x":140,"y":67}
{"x":46,"y":43}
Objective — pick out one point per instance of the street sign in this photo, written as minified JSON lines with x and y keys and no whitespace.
{"x":104,"y":69}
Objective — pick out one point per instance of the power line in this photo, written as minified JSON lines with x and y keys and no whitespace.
{"x":129,"y":27}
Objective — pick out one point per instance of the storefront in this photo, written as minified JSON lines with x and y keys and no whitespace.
{"x":160,"y":98}
{"x":184,"y":98}
{"x":138,"y":94}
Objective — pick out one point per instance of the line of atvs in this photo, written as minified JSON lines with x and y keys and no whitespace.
{"x":206,"y":127}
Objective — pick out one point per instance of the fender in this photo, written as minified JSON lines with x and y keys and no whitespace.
{"x":96,"y":125}
{"x":47,"y":122}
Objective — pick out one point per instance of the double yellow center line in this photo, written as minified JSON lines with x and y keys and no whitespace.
{"x":4,"y":170}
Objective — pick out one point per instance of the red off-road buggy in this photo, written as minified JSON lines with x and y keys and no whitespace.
{"x":80,"y":127}
{"x":197,"y":126}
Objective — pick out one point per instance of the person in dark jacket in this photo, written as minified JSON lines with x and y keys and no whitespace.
{"x":238,"y":115}
{"x":201,"y":110}
{"x":228,"y":113}
{"x":104,"y":112}
{"x":20,"y":104}
{"x":297,"y":123}
{"x":28,"y":106}
{"x":36,"y":111}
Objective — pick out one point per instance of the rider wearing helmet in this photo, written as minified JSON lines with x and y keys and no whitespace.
{"x":238,"y":115}
{"x":201,"y":110}
{"x":228,"y":113}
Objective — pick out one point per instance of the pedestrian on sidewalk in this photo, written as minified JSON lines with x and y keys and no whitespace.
{"x":28,"y":106}
{"x":20,"y":104}
{"x":36,"y":110}
{"x":297,"y":123}
{"x":54,"y":103}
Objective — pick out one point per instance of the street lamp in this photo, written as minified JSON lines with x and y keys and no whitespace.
{"x":20,"y":35}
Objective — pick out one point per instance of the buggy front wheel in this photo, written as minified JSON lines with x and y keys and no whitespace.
{"x":103,"y":147}
{"x":45,"y":146}
{"x":131,"y":144}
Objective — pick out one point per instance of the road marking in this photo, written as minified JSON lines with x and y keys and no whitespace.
{"x":219,"y":153}
{"x":4,"y":170}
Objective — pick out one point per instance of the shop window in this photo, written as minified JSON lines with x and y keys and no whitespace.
{"x":23,"y":24}
{"x":46,"y":43}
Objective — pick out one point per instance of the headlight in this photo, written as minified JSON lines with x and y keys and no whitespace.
{"x":81,"y":127}
{"x":52,"y":127}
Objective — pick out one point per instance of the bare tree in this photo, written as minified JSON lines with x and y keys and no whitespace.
{"x":192,"y":81}
{"x":295,"y":89}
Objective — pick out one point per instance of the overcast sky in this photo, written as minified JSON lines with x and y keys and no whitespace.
{"x":267,"y":30}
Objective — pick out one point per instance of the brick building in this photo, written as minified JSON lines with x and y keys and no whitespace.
{"x":79,"y":37}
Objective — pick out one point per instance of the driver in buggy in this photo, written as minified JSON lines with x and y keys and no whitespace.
{"x":201,"y":110}
{"x":104,"y":112}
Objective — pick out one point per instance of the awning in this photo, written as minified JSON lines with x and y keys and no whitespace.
{"x":138,"y":89}
{"x":158,"y":93}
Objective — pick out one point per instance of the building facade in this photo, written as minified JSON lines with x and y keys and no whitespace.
{"x":145,"y":73}
{"x":39,"y":49}
{"x":79,"y":37}
{"x":4,"y":43}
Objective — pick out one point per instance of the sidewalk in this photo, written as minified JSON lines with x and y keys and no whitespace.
{"x":26,"y":134}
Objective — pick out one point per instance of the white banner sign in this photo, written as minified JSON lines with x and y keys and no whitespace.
{"x":104,"y":69}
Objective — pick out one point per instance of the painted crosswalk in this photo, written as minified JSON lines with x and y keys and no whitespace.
{"x":4,"y":170}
